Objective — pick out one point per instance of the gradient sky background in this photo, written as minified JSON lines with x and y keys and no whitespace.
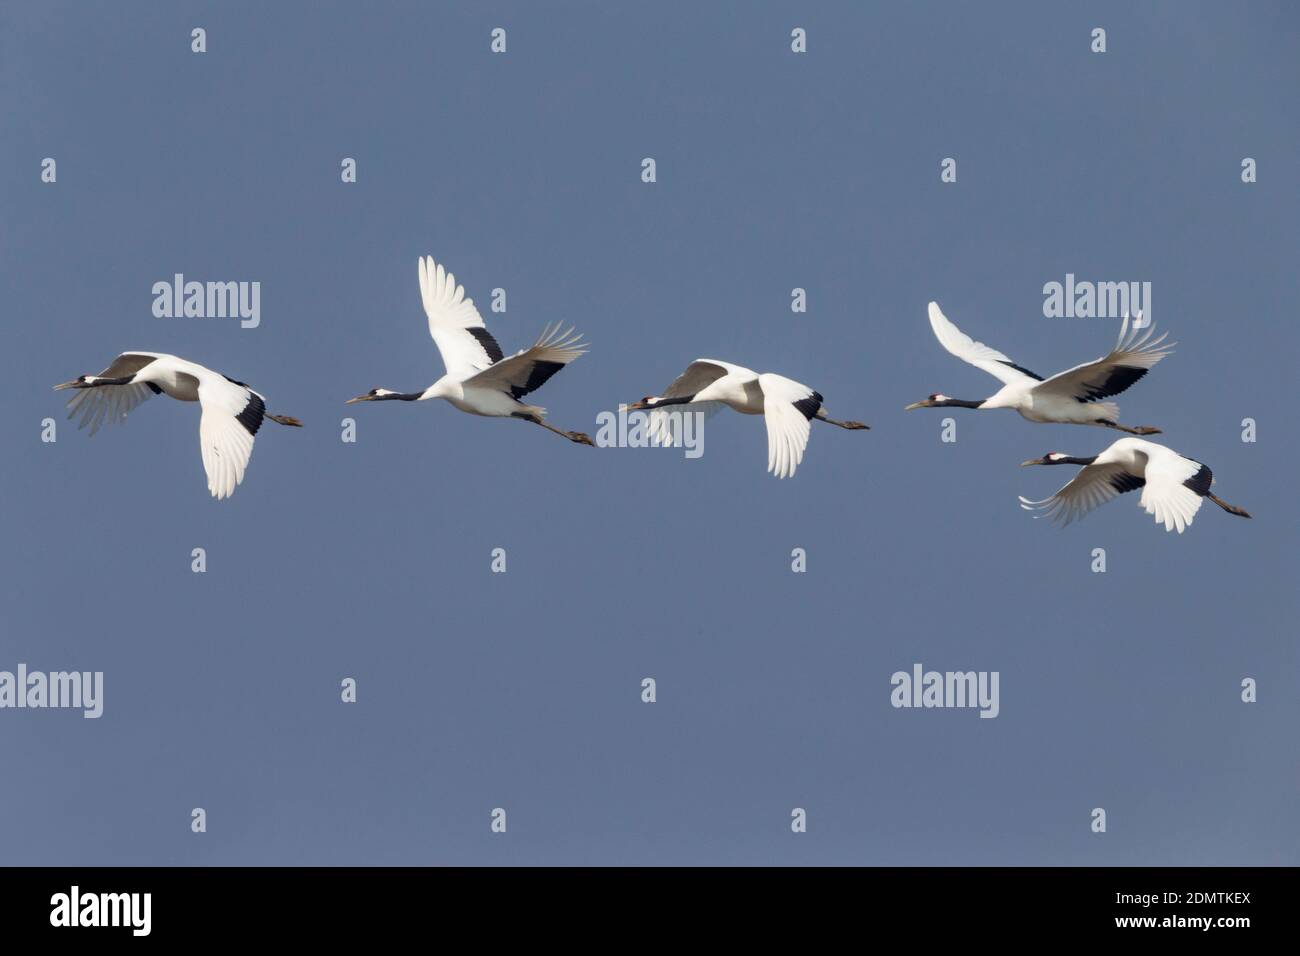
{"x":522,"y":690}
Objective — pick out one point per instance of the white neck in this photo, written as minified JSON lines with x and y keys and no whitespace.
{"x":445,"y":387}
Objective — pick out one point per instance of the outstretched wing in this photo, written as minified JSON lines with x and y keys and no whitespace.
{"x":665,"y":425}
{"x":528,"y":370}
{"x":1167,"y":496}
{"x":1132,"y":357}
{"x":110,"y":404}
{"x":787,"y":407}
{"x":465,"y":344}
{"x":977,"y":353}
{"x":232,"y":414}
{"x":698,"y":375}
{"x":1092,"y":487}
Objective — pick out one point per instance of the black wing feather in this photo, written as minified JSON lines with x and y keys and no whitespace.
{"x":537,"y":377}
{"x":1022,"y":370}
{"x":489,"y":344}
{"x":1117,"y":379}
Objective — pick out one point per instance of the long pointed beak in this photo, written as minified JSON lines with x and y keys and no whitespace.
{"x":1032,"y":461}
{"x":925,"y":404}
{"x":634,"y":406}
{"x":73,"y":384}
{"x":359,"y":398}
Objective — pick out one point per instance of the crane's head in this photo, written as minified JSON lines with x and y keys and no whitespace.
{"x":1056,"y":458}
{"x":937,"y":400}
{"x":382,"y":395}
{"x":648,"y":402}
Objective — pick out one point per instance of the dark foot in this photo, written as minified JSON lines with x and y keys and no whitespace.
{"x":581,"y":439}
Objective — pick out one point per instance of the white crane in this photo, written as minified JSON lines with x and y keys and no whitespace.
{"x":1172,"y":486}
{"x":231,"y":411}
{"x":479,"y":379}
{"x":786,"y":405}
{"x":1070,"y":397}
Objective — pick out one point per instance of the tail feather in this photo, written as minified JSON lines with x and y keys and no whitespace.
{"x":1106,"y":410}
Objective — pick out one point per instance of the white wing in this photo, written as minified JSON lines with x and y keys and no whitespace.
{"x":465,"y":344}
{"x":106,"y":404}
{"x":787,"y":408}
{"x":666,"y":426}
{"x":529,"y":369}
{"x":1132,"y":357}
{"x":1093,"y":486}
{"x":110,"y":404}
{"x":700,"y":373}
{"x":977,"y":353}
{"x":1166,"y":496}
{"x":232,"y":413}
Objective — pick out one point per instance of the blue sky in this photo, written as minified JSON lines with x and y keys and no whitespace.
{"x":522,"y":690}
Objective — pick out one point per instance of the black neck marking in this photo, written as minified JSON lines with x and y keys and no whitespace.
{"x":957,"y":403}
{"x":680,"y":400}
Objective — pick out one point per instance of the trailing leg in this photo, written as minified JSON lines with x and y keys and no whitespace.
{"x":1231,"y":509}
{"x":1138,"y":430}
{"x":852,"y":426}
{"x":577,"y":437}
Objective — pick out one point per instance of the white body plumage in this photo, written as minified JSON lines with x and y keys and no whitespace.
{"x":788,"y":407}
{"x":1172,"y":486}
{"x":480,"y":379}
{"x":231,"y":415}
{"x":1070,"y":397}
